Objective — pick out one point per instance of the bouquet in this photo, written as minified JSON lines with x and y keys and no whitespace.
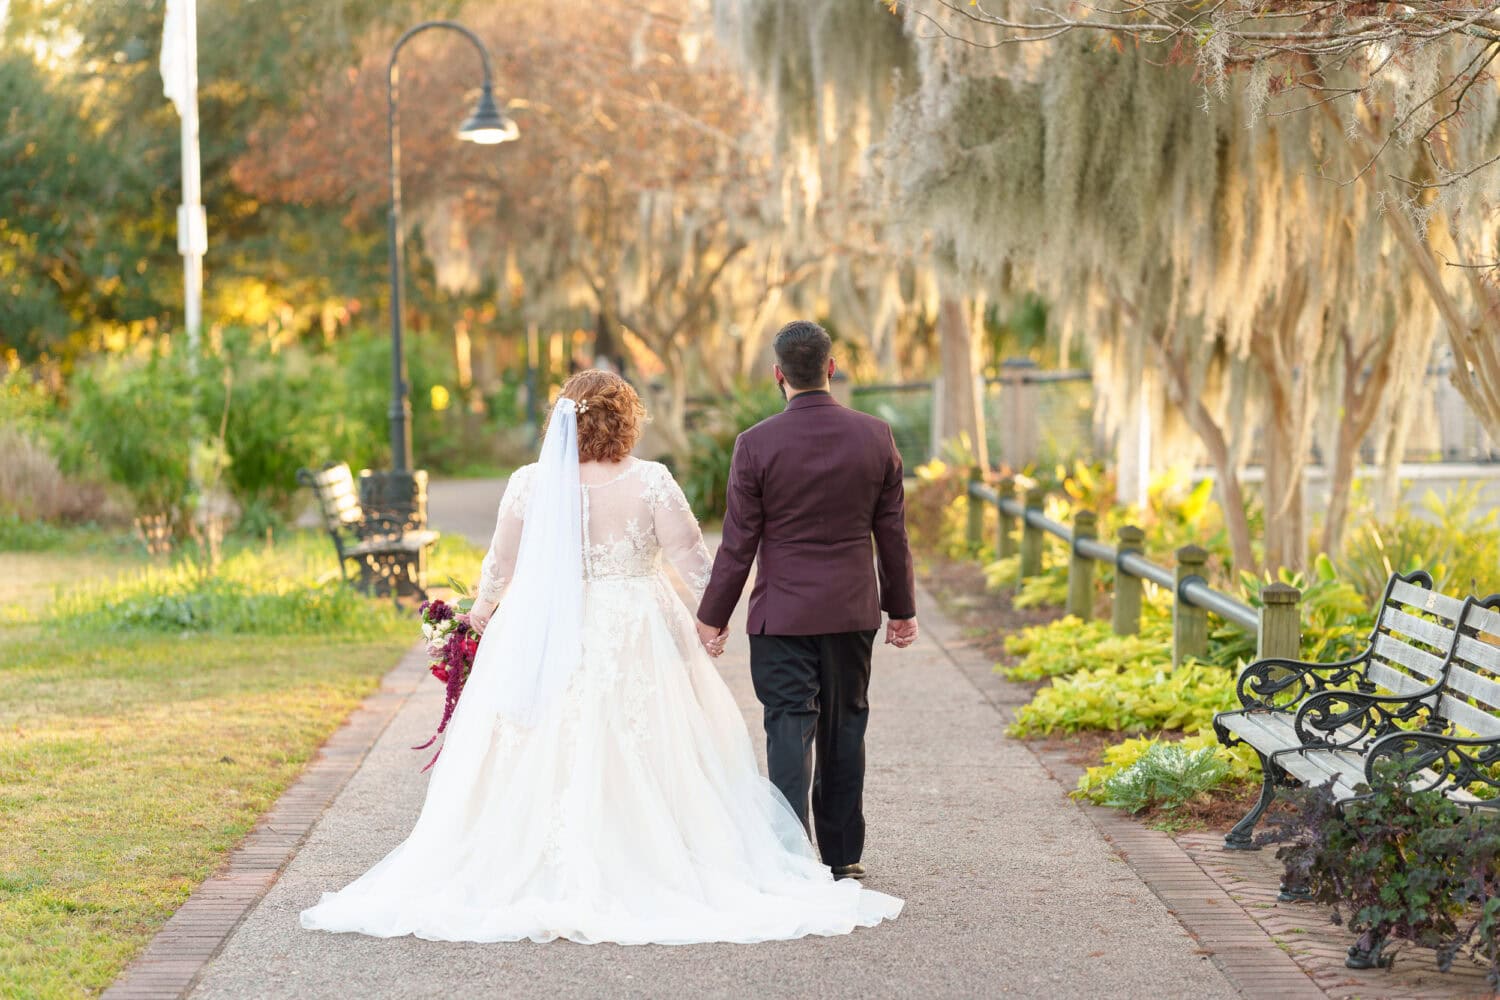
{"x":451,"y":642}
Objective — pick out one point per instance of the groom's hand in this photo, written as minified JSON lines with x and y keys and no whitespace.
{"x":712,"y":638}
{"x":901,"y":632}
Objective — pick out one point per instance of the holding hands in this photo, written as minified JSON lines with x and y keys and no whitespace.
{"x":712,"y":638}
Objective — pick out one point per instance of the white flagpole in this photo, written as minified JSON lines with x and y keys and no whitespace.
{"x":179,"y":65}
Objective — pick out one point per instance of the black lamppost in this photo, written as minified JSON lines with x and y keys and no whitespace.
{"x":486,"y":126}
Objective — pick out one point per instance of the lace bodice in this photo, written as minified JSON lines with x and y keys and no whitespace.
{"x":631,"y":520}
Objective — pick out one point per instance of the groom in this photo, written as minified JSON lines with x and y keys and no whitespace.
{"x":808,"y":490}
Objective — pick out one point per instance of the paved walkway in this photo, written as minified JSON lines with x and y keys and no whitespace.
{"x":1010,"y":889}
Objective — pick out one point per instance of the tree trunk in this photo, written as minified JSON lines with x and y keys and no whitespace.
{"x":1286,"y":363}
{"x":606,"y":339}
{"x":1363,"y":396}
{"x":1231,"y":491}
{"x":1340,"y":486}
{"x":1285,"y":486}
{"x":671,"y":416}
{"x":960,"y":415}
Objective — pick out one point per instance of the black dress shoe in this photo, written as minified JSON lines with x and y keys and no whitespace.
{"x":855,"y":870}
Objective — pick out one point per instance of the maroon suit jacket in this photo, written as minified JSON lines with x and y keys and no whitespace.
{"x":808,"y":489}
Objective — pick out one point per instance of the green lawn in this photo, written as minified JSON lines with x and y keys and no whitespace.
{"x":132,"y":759}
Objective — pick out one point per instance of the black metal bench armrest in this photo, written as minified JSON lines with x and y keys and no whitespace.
{"x":1454,"y":761}
{"x":1279,"y":683}
{"x":1323,"y":716}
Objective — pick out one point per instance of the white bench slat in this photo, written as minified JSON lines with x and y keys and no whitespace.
{"x":1419,"y":660}
{"x":1394,"y":681}
{"x":1348,"y":770}
{"x":1435,"y":635}
{"x":412,"y":541}
{"x":1483,"y":655}
{"x":1476,"y":720}
{"x":1473,"y":684}
{"x":1485,"y":620}
{"x":1265,"y":731}
{"x":1429,"y":600}
{"x":1314,"y":767}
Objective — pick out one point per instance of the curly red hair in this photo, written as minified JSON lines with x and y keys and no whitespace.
{"x":610,"y":415}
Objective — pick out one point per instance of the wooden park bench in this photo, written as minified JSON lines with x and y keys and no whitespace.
{"x":1425,"y":694}
{"x":391,"y":555}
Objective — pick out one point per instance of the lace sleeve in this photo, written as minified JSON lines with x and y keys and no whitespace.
{"x":677,"y":530}
{"x":500,"y":561}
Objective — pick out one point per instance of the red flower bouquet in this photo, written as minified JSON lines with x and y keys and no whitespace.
{"x":451,"y":642}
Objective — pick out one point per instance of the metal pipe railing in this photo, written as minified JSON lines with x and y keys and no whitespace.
{"x":1192,"y":595}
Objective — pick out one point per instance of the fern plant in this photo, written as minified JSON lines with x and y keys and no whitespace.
{"x":1167,"y":775}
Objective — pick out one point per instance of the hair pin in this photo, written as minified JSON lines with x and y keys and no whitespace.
{"x":582,"y":406}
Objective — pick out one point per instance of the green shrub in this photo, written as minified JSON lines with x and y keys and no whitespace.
{"x":1138,"y":697}
{"x":358,"y":422}
{"x":26,"y":404}
{"x":704,"y":474}
{"x":286,"y":408}
{"x":937,"y":510}
{"x":1167,"y":775}
{"x":24,"y":535}
{"x":133,"y":420}
{"x":1099,"y":784}
{"x":1456,"y":538}
{"x":1398,"y":863}
{"x":1335,"y":617}
{"x":1069,"y":645}
{"x":1048,"y":589}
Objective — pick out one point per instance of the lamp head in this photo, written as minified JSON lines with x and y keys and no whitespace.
{"x":486,"y":125}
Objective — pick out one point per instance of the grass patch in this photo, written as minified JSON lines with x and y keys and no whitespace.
{"x":130,"y":765}
{"x":147,"y":718}
{"x":22,"y":535}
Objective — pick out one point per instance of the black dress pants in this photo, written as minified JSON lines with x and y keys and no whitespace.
{"x":813,"y":689}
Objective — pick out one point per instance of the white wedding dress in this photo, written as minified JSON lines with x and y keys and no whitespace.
{"x":631,"y":810}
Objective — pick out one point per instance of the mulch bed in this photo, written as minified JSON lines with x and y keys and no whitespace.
{"x":988,"y":617}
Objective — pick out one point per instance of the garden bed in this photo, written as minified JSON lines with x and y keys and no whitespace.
{"x":988,"y":618}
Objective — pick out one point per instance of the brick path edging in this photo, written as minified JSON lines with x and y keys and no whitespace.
{"x":172,"y":961}
{"x":1252,"y":960}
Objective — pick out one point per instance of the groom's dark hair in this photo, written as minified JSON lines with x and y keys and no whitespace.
{"x":802,"y":350}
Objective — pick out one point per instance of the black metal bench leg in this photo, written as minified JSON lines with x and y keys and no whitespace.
{"x":1366,"y":953}
{"x":1293,"y":893}
{"x":1242,"y":837}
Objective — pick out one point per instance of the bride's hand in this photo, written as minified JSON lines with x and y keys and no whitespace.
{"x":480,"y":615}
{"x":712,"y":638}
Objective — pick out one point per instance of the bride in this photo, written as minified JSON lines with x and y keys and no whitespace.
{"x":597,"y":782}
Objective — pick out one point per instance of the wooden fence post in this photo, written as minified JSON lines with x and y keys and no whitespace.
{"x":1018,"y":401}
{"x":1006,"y":490}
{"x":1126,"y":617}
{"x":1031,"y":538}
{"x":1189,"y":623}
{"x":1280,"y":622}
{"x":976,"y":511}
{"x":1081,"y":567}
